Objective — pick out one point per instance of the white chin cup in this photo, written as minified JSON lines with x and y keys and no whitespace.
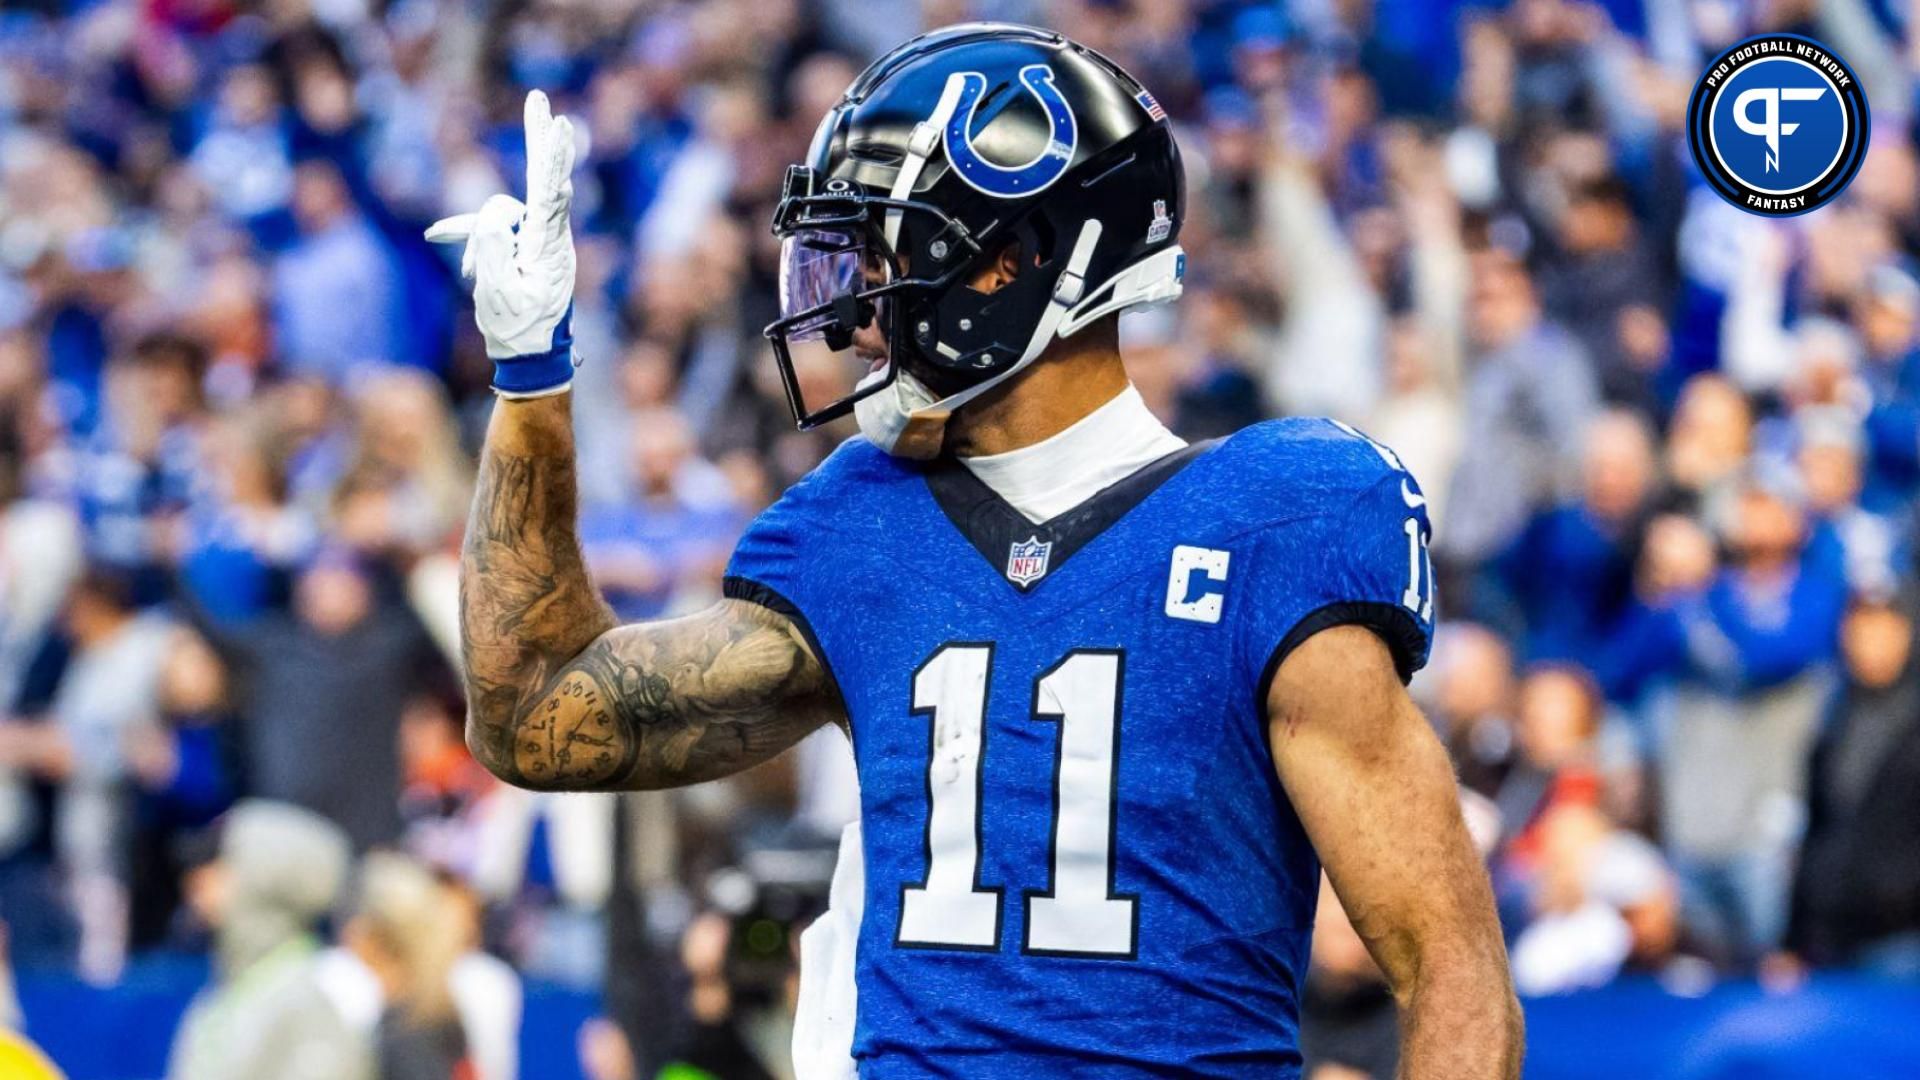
{"x":883,"y":416}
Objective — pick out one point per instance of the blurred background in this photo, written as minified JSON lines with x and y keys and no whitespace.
{"x":1672,"y":452}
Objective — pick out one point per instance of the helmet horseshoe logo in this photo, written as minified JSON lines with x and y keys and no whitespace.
{"x":1011,"y":181}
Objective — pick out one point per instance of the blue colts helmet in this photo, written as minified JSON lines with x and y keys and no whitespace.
{"x":943,"y":153}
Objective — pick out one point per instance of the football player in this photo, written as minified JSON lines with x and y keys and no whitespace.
{"x":1114,"y":699}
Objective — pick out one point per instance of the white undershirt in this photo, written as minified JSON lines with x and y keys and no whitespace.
{"x":1055,"y":475}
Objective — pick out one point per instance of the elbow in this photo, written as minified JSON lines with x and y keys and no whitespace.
{"x":1515,"y":1024}
{"x":493,"y":716}
{"x":492,"y":747}
{"x":487,"y":750}
{"x":491,"y":744}
{"x":1474,"y":1002}
{"x":1507,"y":1024}
{"x":1498,"y":1001}
{"x":1516,"y":1040}
{"x":1498,"y":1028}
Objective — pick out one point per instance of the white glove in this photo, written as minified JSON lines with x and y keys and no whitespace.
{"x":520,"y":259}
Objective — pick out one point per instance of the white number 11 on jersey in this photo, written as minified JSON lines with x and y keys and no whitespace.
{"x":1078,"y":914}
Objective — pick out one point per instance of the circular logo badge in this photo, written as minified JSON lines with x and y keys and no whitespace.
{"x":1778,"y":125}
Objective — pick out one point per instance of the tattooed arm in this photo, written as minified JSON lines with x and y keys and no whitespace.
{"x":558,"y":697}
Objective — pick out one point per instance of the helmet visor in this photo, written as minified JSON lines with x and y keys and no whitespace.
{"x":843,"y":290}
{"x":834,"y":306}
{"x":820,"y":270}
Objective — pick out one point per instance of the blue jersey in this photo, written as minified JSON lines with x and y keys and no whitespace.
{"x":1078,"y":856}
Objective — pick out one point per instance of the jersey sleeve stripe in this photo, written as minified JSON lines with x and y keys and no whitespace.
{"x":1394,"y":625}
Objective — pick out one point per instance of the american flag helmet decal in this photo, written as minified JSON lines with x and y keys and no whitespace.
{"x":1148,"y":103}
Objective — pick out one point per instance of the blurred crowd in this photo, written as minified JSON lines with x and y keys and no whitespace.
{"x":1672,"y":453}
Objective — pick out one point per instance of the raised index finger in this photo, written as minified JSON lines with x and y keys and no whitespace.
{"x":539,"y":128}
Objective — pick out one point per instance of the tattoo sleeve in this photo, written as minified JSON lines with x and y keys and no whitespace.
{"x":558,"y":698}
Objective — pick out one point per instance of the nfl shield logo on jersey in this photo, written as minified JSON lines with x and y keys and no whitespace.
{"x":1027,"y":560}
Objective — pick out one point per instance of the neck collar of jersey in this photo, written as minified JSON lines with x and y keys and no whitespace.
{"x":1056,"y":474}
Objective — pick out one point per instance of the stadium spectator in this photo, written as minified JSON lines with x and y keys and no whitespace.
{"x":108,"y":700}
{"x":321,"y":686}
{"x":1419,"y":409}
{"x":396,"y":928}
{"x":1602,"y":269}
{"x":1473,"y":703}
{"x":182,"y":776}
{"x":1557,"y":764}
{"x":1855,"y":544}
{"x":39,"y":559}
{"x":405,"y":483}
{"x":1856,"y":895}
{"x":267,"y":1015}
{"x":671,"y":533}
{"x":1709,"y":440}
{"x":242,"y":542}
{"x":1529,"y":392}
{"x":135,"y":477}
{"x":1607,"y":902}
{"x":1331,"y":305}
{"x":442,"y":786}
{"x":486,"y":989}
{"x":338,"y":264}
{"x":1748,"y":648}
{"x":1570,"y":570}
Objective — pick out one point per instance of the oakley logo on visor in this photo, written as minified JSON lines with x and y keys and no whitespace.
{"x":1012,"y":181}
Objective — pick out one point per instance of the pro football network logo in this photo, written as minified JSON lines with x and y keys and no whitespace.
{"x":1027,"y":560}
{"x":1778,"y":125}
